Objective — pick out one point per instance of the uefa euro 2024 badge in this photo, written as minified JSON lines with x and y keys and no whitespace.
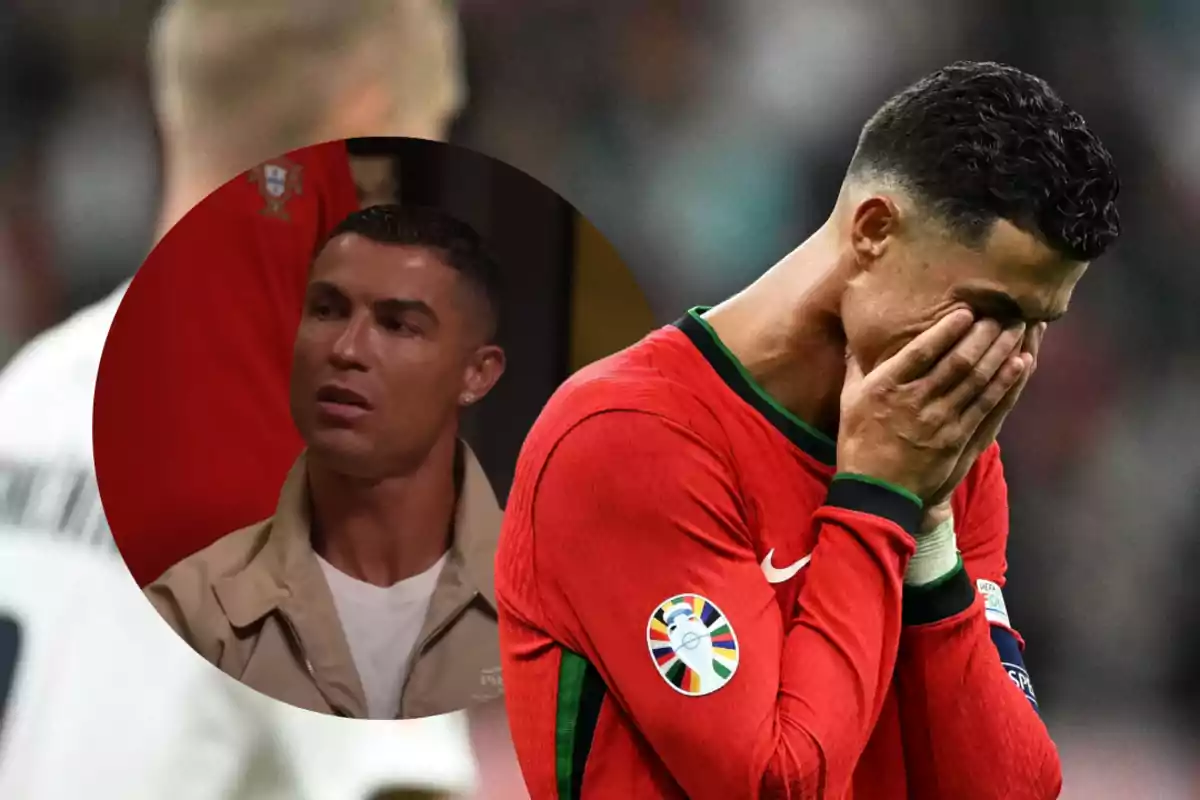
{"x":692,"y":644}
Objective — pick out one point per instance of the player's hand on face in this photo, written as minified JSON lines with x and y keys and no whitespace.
{"x":912,"y":418}
{"x":1033,"y":342}
{"x":1029,"y":346}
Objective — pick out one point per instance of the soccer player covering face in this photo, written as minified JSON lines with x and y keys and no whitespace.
{"x":369,"y":592}
{"x":761,"y":553}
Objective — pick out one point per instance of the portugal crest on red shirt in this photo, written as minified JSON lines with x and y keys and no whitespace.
{"x":278,"y":181}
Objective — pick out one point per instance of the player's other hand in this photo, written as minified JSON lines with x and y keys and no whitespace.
{"x":989,"y":429}
{"x":911,"y":421}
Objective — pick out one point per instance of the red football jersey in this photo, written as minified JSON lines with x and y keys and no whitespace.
{"x":693,"y":604}
{"x":193,"y":433}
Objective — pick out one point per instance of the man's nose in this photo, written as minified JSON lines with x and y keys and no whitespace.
{"x":350,"y":346}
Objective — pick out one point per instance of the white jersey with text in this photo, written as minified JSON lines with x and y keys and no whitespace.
{"x":47,"y":481}
{"x":98,"y":697}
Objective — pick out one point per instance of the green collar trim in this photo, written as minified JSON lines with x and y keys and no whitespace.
{"x":812,"y":441}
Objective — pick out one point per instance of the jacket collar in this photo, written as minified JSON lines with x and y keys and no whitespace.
{"x":284,"y":571}
{"x":477,"y":521}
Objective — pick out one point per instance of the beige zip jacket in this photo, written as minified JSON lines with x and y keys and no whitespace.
{"x":256,"y":604}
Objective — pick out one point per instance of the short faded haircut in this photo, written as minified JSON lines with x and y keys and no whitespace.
{"x":458,"y":244}
{"x":226,"y":70}
{"x":978,"y":141}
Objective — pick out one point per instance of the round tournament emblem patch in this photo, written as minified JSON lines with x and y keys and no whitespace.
{"x":692,"y":644}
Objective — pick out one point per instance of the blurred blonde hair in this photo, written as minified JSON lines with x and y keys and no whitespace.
{"x":268,"y":76}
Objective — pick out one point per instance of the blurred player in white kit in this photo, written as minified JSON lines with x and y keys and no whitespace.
{"x":98,"y":698}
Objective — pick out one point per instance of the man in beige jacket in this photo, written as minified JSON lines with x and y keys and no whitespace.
{"x":369,"y":593}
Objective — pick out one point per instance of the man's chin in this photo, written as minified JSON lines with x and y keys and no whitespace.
{"x":343,"y":451}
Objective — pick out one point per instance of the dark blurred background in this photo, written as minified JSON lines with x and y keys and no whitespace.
{"x":705,"y":140}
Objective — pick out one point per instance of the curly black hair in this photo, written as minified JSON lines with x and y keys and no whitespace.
{"x":457,"y":242}
{"x":980,"y":141}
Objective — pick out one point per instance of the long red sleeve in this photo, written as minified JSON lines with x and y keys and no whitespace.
{"x":969,"y":731}
{"x":633,"y":509}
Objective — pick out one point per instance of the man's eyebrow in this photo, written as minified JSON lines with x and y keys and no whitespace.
{"x":403,"y":305}
{"x":1001,"y":305}
{"x":387,"y":305}
{"x":322,"y":287}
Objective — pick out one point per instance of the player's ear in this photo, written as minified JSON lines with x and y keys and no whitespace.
{"x":483,"y":370}
{"x":873,"y":227}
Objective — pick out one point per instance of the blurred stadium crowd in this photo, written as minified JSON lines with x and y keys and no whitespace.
{"x":706,"y":139}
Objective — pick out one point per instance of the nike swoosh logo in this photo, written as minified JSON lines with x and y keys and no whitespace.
{"x":775,"y":575}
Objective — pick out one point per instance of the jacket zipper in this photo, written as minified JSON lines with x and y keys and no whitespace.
{"x":419,"y":650}
{"x":294,"y":636}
